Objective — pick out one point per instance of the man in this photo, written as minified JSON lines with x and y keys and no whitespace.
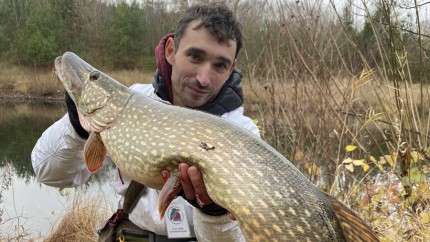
{"x":196,"y":69}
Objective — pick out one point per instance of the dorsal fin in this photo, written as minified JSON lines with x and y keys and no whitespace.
{"x":354,"y":228}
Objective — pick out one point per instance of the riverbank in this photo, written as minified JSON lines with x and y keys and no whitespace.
{"x":21,"y":84}
{"x":15,"y":96}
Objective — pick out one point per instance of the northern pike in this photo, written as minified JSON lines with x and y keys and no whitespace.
{"x":270,"y":198}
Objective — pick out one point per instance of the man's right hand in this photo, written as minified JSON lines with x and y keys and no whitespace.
{"x":193,"y":184}
{"x":194,"y":190}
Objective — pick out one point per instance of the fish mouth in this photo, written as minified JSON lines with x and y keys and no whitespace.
{"x":57,"y":63}
{"x":72,"y":71}
{"x":67,"y":76}
{"x":57,"y":68}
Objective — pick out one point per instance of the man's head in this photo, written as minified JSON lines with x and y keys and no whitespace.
{"x":217,"y":18}
{"x":202,"y":54}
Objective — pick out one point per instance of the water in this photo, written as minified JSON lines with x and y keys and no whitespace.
{"x":29,"y":210}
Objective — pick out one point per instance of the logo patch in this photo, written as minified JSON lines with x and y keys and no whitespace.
{"x":175,"y":215}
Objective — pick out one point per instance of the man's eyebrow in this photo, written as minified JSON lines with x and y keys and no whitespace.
{"x":197,"y":51}
{"x":194,"y":50}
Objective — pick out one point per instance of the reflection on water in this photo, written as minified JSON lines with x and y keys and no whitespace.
{"x":27,"y":207}
{"x":21,"y":124}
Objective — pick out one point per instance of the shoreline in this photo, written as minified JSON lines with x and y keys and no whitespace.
{"x":13,"y":96}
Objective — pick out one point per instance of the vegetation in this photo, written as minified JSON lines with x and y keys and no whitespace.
{"x":344,"y":97}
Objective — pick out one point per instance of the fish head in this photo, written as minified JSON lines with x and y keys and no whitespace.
{"x":98,"y":97}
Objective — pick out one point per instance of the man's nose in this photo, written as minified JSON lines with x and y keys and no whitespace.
{"x":203,"y":74}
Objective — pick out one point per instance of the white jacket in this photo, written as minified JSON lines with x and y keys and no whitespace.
{"x":57,"y":160}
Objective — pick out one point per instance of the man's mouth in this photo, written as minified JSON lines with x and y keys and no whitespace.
{"x":198,"y":90}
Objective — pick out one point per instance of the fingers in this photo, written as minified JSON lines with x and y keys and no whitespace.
{"x":187,"y":186}
{"x":199,"y":186}
{"x":193,"y":185}
{"x":194,"y":189}
{"x":165,"y":174}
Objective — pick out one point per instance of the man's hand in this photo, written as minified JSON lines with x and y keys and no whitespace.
{"x":194,"y":189}
{"x":192,"y":184}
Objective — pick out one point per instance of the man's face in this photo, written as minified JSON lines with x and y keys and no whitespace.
{"x":200,"y":67}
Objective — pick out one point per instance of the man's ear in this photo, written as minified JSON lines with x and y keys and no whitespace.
{"x":233,"y":66}
{"x":169,"y":50}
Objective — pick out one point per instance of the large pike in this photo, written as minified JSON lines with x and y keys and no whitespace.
{"x":270,"y":198}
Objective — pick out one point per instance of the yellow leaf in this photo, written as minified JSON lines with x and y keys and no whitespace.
{"x":313,"y":170}
{"x":378,"y":164}
{"x":423,"y":187}
{"x":424,"y":217}
{"x":298,"y":155}
{"x":387,"y":159}
{"x":365,"y":167}
{"x":350,"y":148}
{"x":416,"y":156}
{"x":349,"y":167}
{"x":347,"y":161}
{"x":358,"y":162}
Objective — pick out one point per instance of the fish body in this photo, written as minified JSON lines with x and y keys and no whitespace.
{"x":268,"y":195}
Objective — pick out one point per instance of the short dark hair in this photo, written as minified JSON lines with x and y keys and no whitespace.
{"x":217,"y":18}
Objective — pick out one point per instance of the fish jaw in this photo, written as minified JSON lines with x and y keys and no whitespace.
{"x":97,"y":96}
{"x":70,"y":79}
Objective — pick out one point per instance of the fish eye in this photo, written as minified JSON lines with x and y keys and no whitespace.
{"x":94,"y":75}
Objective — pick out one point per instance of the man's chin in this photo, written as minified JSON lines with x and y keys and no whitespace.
{"x":195,"y":103}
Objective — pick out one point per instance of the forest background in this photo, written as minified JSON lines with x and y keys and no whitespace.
{"x":339,"y":87}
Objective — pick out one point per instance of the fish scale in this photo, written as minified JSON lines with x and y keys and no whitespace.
{"x":272,"y":175}
{"x":268,"y":195}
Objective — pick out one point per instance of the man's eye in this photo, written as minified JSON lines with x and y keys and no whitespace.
{"x":220,"y":66}
{"x":194,"y":57}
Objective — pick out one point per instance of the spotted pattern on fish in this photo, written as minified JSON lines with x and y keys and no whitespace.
{"x":269,"y":196}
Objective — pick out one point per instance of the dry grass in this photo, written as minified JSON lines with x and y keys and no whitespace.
{"x":313,"y":121}
{"x":29,"y":81}
{"x":310,"y":122}
{"x":311,"y":115}
{"x":39,"y":83}
{"x":83,"y":217}
{"x":130,"y":77}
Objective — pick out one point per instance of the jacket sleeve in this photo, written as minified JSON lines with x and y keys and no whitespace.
{"x":216,"y":228}
{"x":57,"y":157}
{"x":221,"y":228}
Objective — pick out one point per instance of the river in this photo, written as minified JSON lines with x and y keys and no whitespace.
{"x":30,"y":210}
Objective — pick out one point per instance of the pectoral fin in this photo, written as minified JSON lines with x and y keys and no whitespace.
{"x":169,"y":191}
{"x":354,"y":228}
{"x":94,"y":152}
